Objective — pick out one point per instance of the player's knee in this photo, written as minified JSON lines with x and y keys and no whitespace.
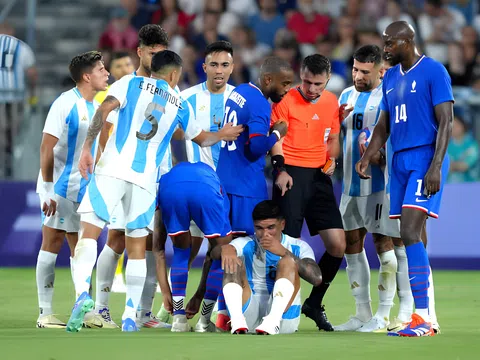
{"x":116,"y":241}
{"x":382,"y":243}
{"x":337,"y":244}
{"x":232,"y":278}
{"x":409,"y":235}
{"x":52,"y":240}
{"x":288,"y":264}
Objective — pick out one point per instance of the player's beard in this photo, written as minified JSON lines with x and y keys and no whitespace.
{"x":363,"y":87}
{"x":275,"y":97}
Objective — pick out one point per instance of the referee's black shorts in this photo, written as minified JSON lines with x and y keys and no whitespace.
{"x":311,"y":198}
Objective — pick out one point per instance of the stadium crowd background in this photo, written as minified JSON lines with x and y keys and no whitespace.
{"x":447,"y":30}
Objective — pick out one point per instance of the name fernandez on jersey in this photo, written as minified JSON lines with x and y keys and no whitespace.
{"x":154,"y":90}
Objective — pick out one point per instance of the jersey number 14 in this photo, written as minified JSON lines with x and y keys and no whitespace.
{"x":230,"y":116}
{"x":400,"y":113}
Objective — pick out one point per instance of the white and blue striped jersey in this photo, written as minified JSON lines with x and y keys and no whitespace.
{"x":150,"y":110}
{"x":209,"y":109}
{"x":15,"y":58}
{"x":364,"y":114}
{"x":261,"y":265}
{"x":68,"y":120}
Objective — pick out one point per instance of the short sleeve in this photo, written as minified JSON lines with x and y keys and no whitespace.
{"x":186,"y":119}
{"x":384,"y":102}
{"x":27,"y":56}
{"x":440,"y":85}
{"x":280,"y":111}
{"x":335,"y":116}
{"x":306,"y":252}
{"x":56,"y":118}
{"x":239,"y":244}
{"x":119,"y":89}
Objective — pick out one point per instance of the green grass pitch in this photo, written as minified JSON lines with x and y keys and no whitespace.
{"x":458,"y":308}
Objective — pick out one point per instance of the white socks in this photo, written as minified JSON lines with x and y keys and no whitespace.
{"x":135,"y":274}
{"x":150,"y":287}
{"x":85,"y":258}
{"x":386,"y":283}
{"x":233,"y":299}
{"x":431,"y":299}
{"x":358,"y":272}
{"x":106,"y":266}
{"x":45,"y":274}
{"x":282,"y":294}
{"x":403,"y":285}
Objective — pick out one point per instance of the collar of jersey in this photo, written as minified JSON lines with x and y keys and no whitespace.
{"x":77,"y":92}
{"x":412,"y":67}
{"x":307,"y":99}
{"x":255,"y":86}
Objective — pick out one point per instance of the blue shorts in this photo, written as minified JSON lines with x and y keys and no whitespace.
{"x":409,"y":168}
{"x":196,"y":201}
{"x":241,"y":209}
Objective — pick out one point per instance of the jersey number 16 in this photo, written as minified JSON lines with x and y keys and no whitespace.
{"x":230,"y":116}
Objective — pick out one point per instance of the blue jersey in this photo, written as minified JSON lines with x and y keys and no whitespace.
{"x":68,"y":120}
{"x":186,"y":172}
{"x":364,"y":115}
{"x":240,"y":173}
{"x":410,"y":97}
{"x":209,"y":110}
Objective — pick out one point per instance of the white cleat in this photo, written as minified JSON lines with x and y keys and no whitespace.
{"x":150,"y":321}
{"x":100,"y":320}
{"x":163,"y":315}
{"x":203,"y":327}
{"x":50,"y":322}
{"x":239,"y":325}
{"x":118,"y":285}
{"x":268,"y":327}
{"x":180,"y":324}
{"x":375,"y":324}
{"x":353,"y":324}
{"x":436,"y":328}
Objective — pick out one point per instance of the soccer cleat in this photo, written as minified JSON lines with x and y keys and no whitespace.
{"x":397,"y":325}
{"x":180,"y":324}
{"x":223,"y":323}
{"x":129,"y":325}
{"x":416,"y":328}
{"x":268,"y":327}
{"x":436,"y":328}
{"x":50,"y":322}
{"x":353,"y":324}
{"x":83,"y":305}
{"x":202,"y":326}
{"x":238,"y":325}
{"x":150,"y":321}
{"x":118,"y":285}
{"x":318,"y":315}
{"x":163,"y":315}
{"x":375,"y":324}
{"x":100,"y":320}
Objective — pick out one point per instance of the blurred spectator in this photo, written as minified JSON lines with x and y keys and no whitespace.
{"x":468,"y":8}
{"x":286,"y":47}
{"x":209,"y":31}
{"x":438,"y":26}
{"x":191,"y":7}
{"x":346,"y":39}
{"x":266,"y":23}
{"x":464,"y":59}
{"x":17,"y":81}
{"x":307,"y":24}
{"x":119,"y":34}
{"x":286,"y":7}
{"x":393,"y":13}
{"x":189,"y":75}
{"x":171,"y":16}
{"x":463,"y":153}
{"x":241,"y":73}
{"x":242,"y":8}
{"x":225,"y":21}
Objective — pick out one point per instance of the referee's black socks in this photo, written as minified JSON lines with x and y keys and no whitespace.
{"x":329,"y":266}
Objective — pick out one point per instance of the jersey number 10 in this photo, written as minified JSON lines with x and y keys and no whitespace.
{"x":230,"y":116}
{"x":400,"y":115}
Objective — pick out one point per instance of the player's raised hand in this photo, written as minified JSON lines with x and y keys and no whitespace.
{"x":230,"y":260}
{"x":432,"y":180}
{"x":282,"y":127}
{"x":361,"y":168}
{"x":329,"y":167}
{"x":229,"y":132}
{"x":344,"y":111}
{"x":85,"y":164}
{"x":284,"y":182}
{"x":271,"y":244}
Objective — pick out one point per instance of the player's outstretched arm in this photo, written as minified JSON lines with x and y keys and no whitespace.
{"x":444,"y":116}
{"x":227,"y":133}
{"x":308,"y":269}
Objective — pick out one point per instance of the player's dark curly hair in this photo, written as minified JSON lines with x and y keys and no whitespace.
{"x":267,"y":209}
{"x":152,"y":34}
{"x":83,"y":63}
{"x":368,"y":54}
{"x":219,"y":46}
{"x":317,"y":64}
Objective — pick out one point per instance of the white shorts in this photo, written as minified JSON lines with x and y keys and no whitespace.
{"x":104,"y":193}
{"x":259,"y":306}
{"x":117,"y":219}
{"x":66,"y":217}
{"x":370,"y":212}
{"x":195,"y":230}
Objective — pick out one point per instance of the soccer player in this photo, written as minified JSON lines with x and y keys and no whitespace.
{"x":152,"y":39}
{"x":149,"y":111}
{"x":417,"y":114}
{"x":303,"y":164}
{"x":365,"y":204}
{"x":262,"y":275}
{"x":120,"y":65}
{"x":189,"y":192}
{"x":242,"y":162}
{"x":60,"y":185}
{"x":208,"y":103}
